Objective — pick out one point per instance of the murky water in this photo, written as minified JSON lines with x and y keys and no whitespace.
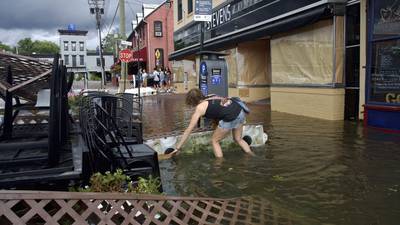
{"x":320,"y":172}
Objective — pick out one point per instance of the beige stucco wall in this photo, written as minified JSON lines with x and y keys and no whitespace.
{"x":187,"y":18}
{"x":250,"y":94}
{"x":246,"y":94}
{"x":323,"y":103}
{"x":363,"y":55}
{"x":182,"y":88}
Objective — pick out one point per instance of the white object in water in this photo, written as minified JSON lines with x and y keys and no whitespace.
{"x":43,"y":98}
{"x":143,"y":91}
{"x":167,"y":142}
{"x":256,"y":132}
{"x":1,"y":120}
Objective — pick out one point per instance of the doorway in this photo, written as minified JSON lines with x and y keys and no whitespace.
{"x":352,"y":69}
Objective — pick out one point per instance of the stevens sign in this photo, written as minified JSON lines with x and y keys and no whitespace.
{"x":242,"y":13}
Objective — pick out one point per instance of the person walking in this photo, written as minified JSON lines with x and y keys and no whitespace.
{"x":229,"y":113}
{"x":156,"y":78}
{"x":162,"y":78}
{"x":168,"y":79}
{"x":144,"y":77}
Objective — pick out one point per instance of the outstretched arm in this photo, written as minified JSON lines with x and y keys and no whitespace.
{"x":193,"y":122}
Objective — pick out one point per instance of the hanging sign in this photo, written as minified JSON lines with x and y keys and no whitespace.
{"x":202,"y":10}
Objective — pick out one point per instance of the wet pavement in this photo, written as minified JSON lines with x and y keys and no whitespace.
{"x":317,"y":171}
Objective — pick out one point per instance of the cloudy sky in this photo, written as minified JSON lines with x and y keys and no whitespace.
{"x":40,"y":19}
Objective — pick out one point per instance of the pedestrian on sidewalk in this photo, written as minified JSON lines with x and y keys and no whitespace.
{"x":229,"y":113}
{"x":156,"y":78}
{"x":168,"y":79}
{"x":162,"y":78}
{"x":144,"y":77}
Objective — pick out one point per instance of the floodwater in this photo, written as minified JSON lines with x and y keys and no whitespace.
{"x":320,"y":172}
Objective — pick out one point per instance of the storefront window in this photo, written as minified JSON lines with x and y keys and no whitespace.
{"x":385,"y":72}
{"x":304,"y":56}
{"x":384,"y":69}
{"x":386,"y":18}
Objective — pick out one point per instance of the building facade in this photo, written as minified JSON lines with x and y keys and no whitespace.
{"x":73,"y":49}
{"x":325,"y":59}
{"x":93,"y":62}
{"x":381,"y":56}
{"x":154,"y":40}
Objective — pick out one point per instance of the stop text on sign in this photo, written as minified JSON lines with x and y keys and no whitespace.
{"x":126,"y":55}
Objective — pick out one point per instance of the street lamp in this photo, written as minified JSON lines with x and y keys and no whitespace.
{"x":97,"y":8}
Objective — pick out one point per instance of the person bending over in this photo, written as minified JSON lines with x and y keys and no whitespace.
{"x":229,"y":114}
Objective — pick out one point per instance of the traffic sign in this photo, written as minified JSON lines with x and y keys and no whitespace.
{"x":202,"y":10}
{"x":126,"y":55}
{"x":157,"y":54}
{"x":127,"y":43}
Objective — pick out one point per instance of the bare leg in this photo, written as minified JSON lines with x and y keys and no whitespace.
{"x":237,"y":136}
{"x":218,"y":135}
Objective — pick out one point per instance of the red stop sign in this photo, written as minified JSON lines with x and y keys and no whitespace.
{"x":126,"y":55}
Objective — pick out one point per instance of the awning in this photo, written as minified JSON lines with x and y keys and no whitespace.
{"x":137,"y":56}
{"x":140,"y":55}
{"x":263,"y":30}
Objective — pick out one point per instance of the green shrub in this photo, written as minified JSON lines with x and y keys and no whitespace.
{"x":79,"y":76}
{"x":73,"y":102}
{"x":119,"y":182}
{"x":94,"y":76}
{"x":150,"y":185}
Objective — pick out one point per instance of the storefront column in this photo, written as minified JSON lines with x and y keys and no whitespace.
{"x":363,"y":55}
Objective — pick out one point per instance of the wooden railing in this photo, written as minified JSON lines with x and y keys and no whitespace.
{"x":77,"y":208}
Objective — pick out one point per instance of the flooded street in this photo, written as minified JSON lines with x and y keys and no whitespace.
{"x":320,"y":172}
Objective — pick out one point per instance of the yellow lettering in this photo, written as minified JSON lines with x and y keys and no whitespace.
{"x":390,"y":97}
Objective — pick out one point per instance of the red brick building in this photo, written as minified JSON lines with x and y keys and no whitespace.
{"x":154,"y":41}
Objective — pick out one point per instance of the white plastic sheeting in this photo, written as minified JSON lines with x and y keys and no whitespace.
{"x":252,"y":63}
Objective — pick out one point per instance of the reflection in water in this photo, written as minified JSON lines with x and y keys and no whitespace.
{"x":327,"y":172}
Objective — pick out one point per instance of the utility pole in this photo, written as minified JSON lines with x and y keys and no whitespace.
{"x":124,"y":71}
{"x":97,"y":8}
{"x":122,"y":18}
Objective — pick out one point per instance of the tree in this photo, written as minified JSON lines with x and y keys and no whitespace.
{"x":27,"y":46}
{"x":109,"y":43}
{"x":45,"y":47}
{"x":5,"y":47}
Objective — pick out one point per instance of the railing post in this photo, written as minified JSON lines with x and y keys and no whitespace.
{"x":53,"y":153}
{"x":8,"y":110}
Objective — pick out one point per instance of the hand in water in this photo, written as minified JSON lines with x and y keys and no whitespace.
{"x":171,"y":151}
